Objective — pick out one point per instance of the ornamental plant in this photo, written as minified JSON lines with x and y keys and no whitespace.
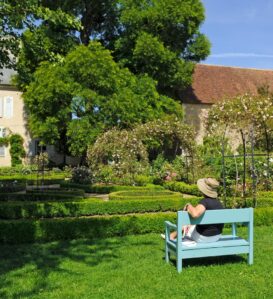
{"x":121,"y":152}
{"x":81,"y":175}
{"x":168,"y":136}
{"x":249,"y":115}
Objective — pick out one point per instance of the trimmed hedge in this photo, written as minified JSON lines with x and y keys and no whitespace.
{"x":72,"y":192}
{"x":88,"y":207}
{"x":6,"y":188}
{"x":144,"y":195}
{"x":264,"y":199}
{"x":94,"y":206}
{"x":183,"y":188}
{"x":106,"y":189}
{"x":29,"y":231}
{"x":37,"y":197}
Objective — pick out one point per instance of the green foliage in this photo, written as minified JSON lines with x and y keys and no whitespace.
{"x":18,"y":16}
{"x":144,"y":195}
{"x":44,"y":43}
{"x":158,"y":38}
{"x":143,"y":180}
{"x":29,"y":231}
{"x":17,"y":151}
{"x":121,"y":150}
{"x":89,"y":207}
{"x":7,"y":186}
{"x":208,"y":162}
{"x":60,"y":191}
{"x":162,"y":39}
{"x":102,"y":188}
{"x":63,"y":269}
{"x":242,"y":113}
{"x":81,"y":175}
{"x":39,"y":196}
{"x":4,"y":141}
{"x":183,"y":188}
{"x":168,"y":137}
{"x":92,"y":93}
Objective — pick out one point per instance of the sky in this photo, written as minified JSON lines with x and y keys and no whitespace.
{"x":240,"y":31}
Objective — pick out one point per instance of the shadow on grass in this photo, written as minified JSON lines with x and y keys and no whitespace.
{"x":43,"y":259}
{"x":209,"y":261}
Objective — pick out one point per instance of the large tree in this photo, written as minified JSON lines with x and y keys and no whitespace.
{"x":162,"y":38}
{"x":18,"y":16}
{"x":72,"y":101}
{"x":159,"y":38}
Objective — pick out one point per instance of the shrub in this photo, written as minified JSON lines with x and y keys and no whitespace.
{"x":17,"y":151}
{"x":38,"y":197}
{"x":144,"y":195}
{"x":29,"y":231}
{"x":81,"y":175}
{"x":102,"y":188}
{"x":183,"y":188}
{"x":11,"y":186}
{"x":88,"y":207}
{"x":62,"y":191}
{"x":117,"y":154}
{"x":143,"y":180}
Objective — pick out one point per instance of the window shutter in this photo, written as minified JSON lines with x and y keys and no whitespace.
{"x":1,"y":106}
{"x":8,"y":111}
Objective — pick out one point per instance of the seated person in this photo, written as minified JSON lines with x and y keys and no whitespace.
{"x":208,"y":232}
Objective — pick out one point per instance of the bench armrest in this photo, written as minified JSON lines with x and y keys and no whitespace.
{"x":170,"y":225}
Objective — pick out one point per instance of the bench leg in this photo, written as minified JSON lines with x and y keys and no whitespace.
{"x":179,"y":265}
{"x":167,"y":255}
{"x":250,"y":257}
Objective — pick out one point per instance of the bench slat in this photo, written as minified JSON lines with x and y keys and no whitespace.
{"x":215,"y":251}
{"x":217,"y":216}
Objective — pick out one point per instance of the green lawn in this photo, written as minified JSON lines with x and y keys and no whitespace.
{"x":131,"y":267}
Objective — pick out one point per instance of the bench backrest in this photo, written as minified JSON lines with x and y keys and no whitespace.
{"x":217,"y":216}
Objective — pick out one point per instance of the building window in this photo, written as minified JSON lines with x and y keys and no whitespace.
{"x":39,"y":148}
{"x":2,"y":147}
{"x":8,"y":107}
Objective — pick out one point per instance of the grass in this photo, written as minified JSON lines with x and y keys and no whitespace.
{"x":131,"y":267}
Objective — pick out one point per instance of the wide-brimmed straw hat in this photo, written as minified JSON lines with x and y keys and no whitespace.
{"x":208,"y":186}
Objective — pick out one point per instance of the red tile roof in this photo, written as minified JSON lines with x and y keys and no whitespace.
{"x":212,"y":83}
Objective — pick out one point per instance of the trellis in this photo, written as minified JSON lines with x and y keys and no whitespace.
{"x":253,"y":169}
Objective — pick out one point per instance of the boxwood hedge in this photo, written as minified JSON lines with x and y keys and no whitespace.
{"x":183,"y":188}
{"x":106,"y":189}
{"x":38,"y":196}
{"x":88,"y":207}
{"x":144,"y":195}
{"x":28,"y":231}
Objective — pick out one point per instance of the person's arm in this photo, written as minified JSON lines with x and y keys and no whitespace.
{"x":197,"y":211}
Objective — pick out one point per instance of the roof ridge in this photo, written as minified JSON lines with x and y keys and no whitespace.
{"x":235,"y":67}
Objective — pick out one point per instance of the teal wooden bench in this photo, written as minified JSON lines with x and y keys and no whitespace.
{"x":226,"y":245}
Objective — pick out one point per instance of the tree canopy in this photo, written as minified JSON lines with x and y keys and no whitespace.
{"x":18,"y":16}
{"x":74,"y":100}
{"x":159,"y":38}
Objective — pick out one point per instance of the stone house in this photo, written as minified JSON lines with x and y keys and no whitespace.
{"x":210,"y":84}
{"x":13,"y":120}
